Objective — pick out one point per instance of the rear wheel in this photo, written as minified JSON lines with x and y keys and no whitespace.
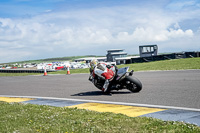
{"x":133,"y":84}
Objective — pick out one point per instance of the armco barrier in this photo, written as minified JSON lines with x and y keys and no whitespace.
{"x":191,"y":54}
{"x":166,"y":57}
{"x":23,"y":71}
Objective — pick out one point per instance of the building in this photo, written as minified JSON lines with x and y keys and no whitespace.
{"x":112,"y":54}
{"x":88,"y":59}
{"x":148,"y":50}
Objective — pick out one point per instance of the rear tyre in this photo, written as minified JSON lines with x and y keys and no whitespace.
{"x":134,"y":84}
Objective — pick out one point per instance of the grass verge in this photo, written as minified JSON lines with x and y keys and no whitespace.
{"x":24,"y":118}
{"x":176,"y":64}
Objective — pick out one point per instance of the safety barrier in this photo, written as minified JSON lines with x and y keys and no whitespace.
{"x":165,"y":57}
{"x":24,"y":71}
{"x":68,"y":71}
{"x":45,"y":71}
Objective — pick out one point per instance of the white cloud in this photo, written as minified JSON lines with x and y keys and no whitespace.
{"x":150,"y":35}
{"x":91,"y":28}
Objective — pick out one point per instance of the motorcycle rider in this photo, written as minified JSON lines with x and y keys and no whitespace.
{"x":102,"y":70}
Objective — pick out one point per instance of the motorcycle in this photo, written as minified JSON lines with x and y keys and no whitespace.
{"x":122,"y":80}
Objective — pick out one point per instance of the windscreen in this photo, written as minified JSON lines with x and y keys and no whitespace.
{"x":122,"y":71}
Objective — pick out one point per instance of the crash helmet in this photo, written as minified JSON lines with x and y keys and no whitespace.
{"x":93,"y":63}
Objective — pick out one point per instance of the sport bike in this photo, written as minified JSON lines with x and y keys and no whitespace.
{"x":121,"y":80}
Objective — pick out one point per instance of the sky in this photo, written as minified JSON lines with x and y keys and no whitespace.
{"x":39,"y":29}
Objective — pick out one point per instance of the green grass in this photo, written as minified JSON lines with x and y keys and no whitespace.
{"x":25,"y":118}
{"x":176,"y":64}
{"x":72,"y":71}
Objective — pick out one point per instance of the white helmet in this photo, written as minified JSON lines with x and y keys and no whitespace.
{"x":93,"y":63}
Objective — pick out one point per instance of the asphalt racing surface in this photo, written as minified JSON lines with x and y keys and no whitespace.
{"x":169,"y":88}
{"x":173,"y":92}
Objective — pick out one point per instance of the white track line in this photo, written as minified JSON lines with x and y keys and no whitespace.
{"x":107,"y":102}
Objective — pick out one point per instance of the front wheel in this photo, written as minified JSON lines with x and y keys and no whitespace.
{"x":133,"y":84}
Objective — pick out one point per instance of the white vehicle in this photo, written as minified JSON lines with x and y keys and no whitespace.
{"x":84,"y":66}
{"x":29,"y":66}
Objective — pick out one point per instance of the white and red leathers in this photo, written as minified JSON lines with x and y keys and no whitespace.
{"x":101,"y":70}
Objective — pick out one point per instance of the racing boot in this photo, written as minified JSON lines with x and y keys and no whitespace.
{"x":105,"y":86}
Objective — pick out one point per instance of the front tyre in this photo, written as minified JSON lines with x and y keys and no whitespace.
{"x":133,"y":84}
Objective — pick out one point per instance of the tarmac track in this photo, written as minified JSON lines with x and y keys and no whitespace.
{"x":166,"y":88}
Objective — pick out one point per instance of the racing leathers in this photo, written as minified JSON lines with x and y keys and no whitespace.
{"x":105,"y":71}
